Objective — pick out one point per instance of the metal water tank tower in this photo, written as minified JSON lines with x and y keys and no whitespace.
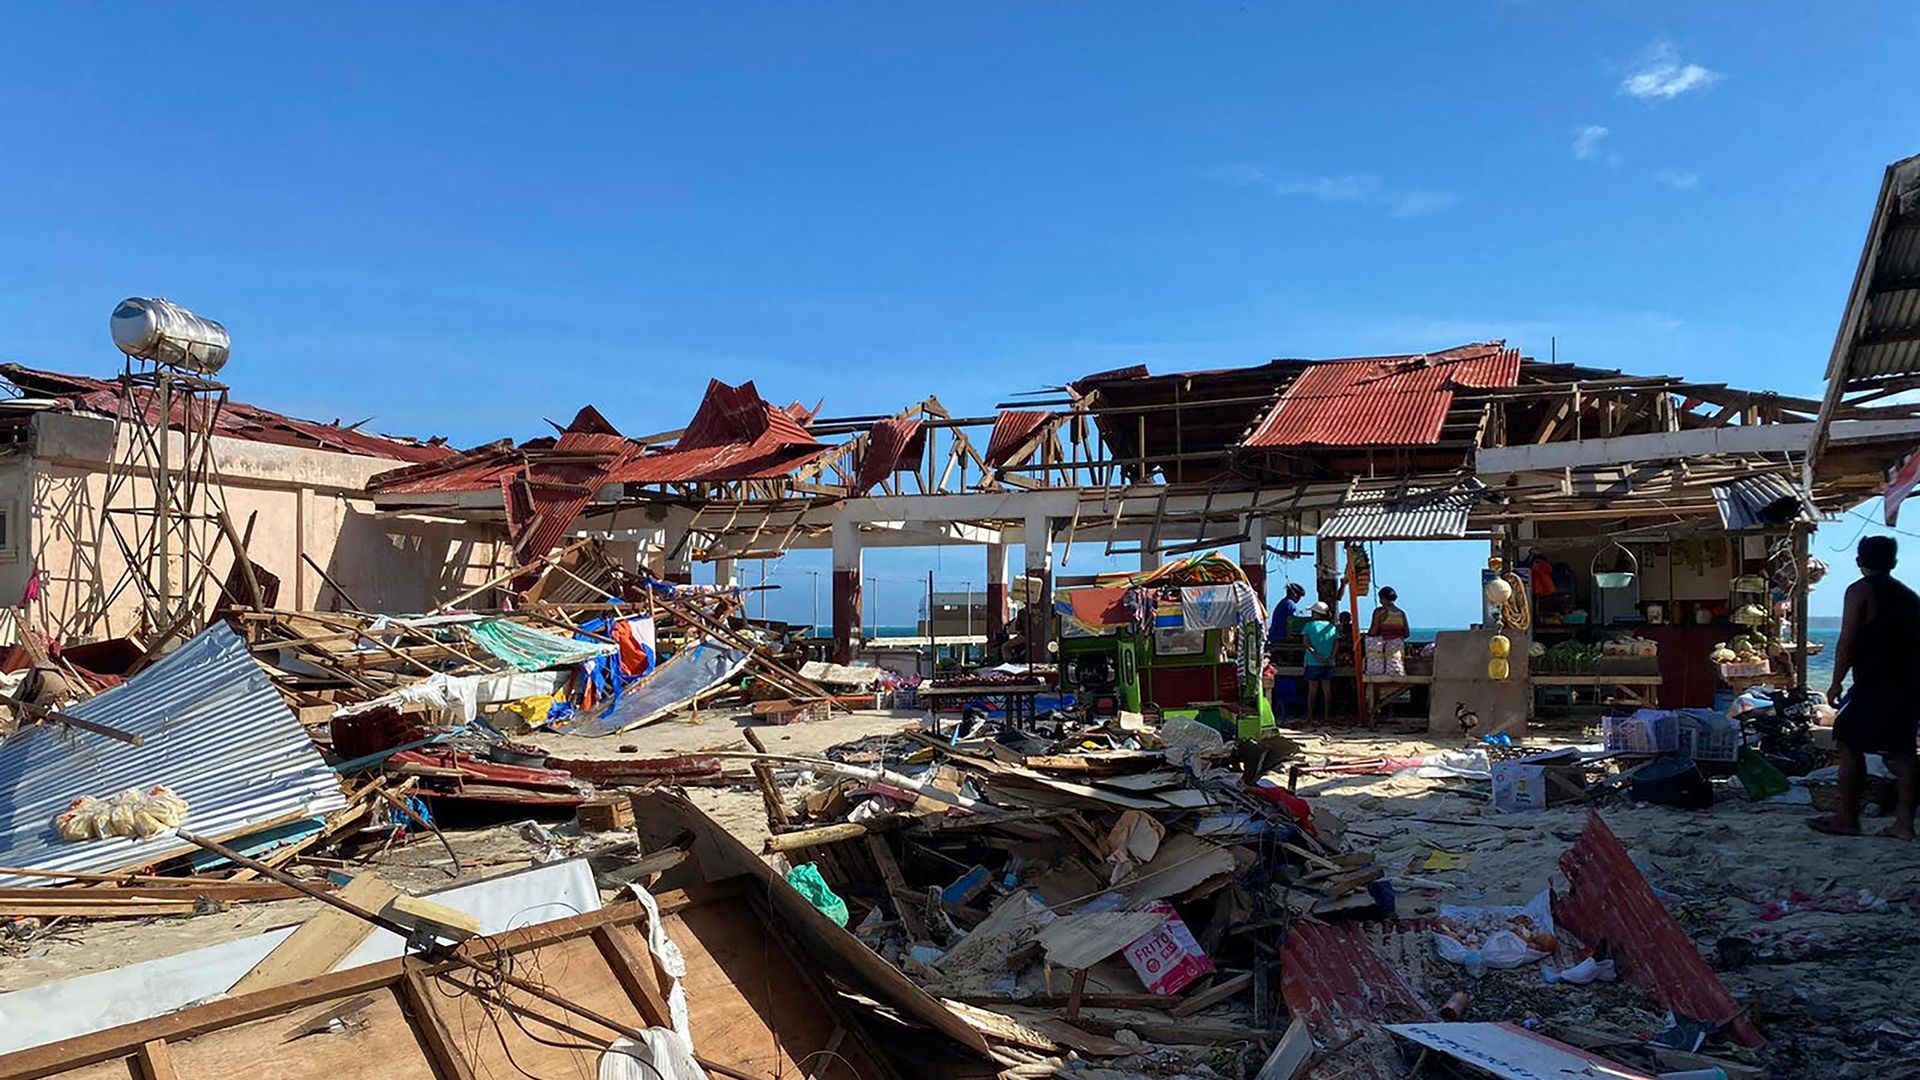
{"x":168,"y":334}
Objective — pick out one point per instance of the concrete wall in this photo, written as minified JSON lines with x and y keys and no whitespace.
{"x":299,"y":501}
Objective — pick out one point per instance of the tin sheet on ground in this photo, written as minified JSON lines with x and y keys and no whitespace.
{"x":215,"y":731}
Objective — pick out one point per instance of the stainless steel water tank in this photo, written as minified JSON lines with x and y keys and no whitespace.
{"x":166,"y":333}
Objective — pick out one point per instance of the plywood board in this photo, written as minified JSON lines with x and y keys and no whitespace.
{"x":381,"y":1033}
{"x":1081,"y":941}
{"x":575,"y":971}
{"x":742,"y":985}
{"x":1182,"y":862}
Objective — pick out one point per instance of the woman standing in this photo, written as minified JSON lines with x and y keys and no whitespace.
{"x":1388,"y":620}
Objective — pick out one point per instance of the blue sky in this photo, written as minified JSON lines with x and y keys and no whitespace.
{"x":460,"y":220}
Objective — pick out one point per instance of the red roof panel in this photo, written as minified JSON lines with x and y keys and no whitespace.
{"x":1381,"y":400}
{"x":890,"y":444}
{"x":734,"y":435}
{"x":1011,"y":430}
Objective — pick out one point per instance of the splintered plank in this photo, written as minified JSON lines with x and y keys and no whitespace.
{"x":320,"y":942}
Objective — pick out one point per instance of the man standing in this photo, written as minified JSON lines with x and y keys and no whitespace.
{"x":1323,"y":640}
{"x":1283,"y":612}
{"x":1880,"y":646}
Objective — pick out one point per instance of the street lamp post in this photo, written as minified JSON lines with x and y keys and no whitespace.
{"x":813,"y":628}
{"x":969,"y":645}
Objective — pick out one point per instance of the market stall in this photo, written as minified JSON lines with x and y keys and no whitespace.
{"x":1183,"y":638}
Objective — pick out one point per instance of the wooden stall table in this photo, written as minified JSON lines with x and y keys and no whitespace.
{"x":1383,"y":690}
{"x":1016,"y":699}
{"x":1640,"y":691}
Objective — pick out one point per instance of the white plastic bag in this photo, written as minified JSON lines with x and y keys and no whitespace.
{"x":1501,"y":947}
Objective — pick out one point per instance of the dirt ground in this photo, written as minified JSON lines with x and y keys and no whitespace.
{"x":1815,"y":933}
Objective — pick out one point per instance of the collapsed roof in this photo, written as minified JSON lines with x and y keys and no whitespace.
{"x":236,"y":420}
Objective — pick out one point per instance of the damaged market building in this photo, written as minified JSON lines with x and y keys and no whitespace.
{"x":1164,"y":885}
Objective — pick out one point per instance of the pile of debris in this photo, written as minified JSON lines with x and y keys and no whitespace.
{"x":305,"y":738}
{"x":1159,"y":902}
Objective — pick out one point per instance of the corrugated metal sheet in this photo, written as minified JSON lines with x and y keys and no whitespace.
{"x":1333,"y":976}
{"x":734,"y":435}
{"x":1418,"y":514}
{"x":889,"y":444}
{"x":1381,"y":401}
{"x":1762,"y":501}
{"x":216,"y":731}
{"x":1011,"y":430}
{"x":1886,"y":294}
{"x":545,"y":499}
{"x":236,"y":421}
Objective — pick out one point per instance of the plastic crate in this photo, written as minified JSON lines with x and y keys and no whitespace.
{"x":1710,"y":736}
{"x":1648,"y":731}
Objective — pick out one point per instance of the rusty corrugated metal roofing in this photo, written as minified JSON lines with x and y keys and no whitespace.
{"x":890,"y":444}
{"x":237,"y":420}
{"x":216,"y":732}
{"x":545,"y":498}
{"x":1611,"y":900}
{"x":734,"y":435}
{"x":1333,"y":976}
{"x":1381,"y":400}
{"x":1011,"y":431}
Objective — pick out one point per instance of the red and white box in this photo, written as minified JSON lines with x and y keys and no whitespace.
{"x":1167,"y":959}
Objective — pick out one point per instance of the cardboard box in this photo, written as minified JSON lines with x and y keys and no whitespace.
{"x":1518,"y":787}
{"x":1168,"y":959}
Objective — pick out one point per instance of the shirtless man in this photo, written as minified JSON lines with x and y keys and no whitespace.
{"x":1880,"y":646}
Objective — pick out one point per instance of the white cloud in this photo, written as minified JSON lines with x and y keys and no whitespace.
{"x":1658,"y":74}
{"x":1416,"y":203}
{"x":1357,"y":189}
{"x":1239,"y":175}
{"x":1586,"y":145}
{"x":1677,"y":179}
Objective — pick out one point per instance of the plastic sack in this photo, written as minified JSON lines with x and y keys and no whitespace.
{"x":1501,"y":947}
{"x":132,"y":813}
{"x":806,"y":880}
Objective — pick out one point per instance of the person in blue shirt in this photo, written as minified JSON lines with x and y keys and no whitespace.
{"x":1322,"y":636}
{"x":1283,"y":612}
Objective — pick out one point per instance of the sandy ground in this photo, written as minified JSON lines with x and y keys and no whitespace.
{"x":1823,"y":970}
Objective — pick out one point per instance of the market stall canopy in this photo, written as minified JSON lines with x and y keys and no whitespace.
{"x":1405,"y":514}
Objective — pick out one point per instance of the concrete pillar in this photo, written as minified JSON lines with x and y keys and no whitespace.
{"x":723,"y":573}
{"x":1039,"y":615}
{"x":1149,"y":558}
{"x":1326,"y":572}
{"x":1253,"y":556}
{"x":676,"y":557}
{"x":846,"y":589}
{"x":998,"y":609}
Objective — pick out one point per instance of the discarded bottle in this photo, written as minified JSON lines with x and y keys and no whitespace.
{"x":1456,"y":1006}
{"x":1475,"y":964}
